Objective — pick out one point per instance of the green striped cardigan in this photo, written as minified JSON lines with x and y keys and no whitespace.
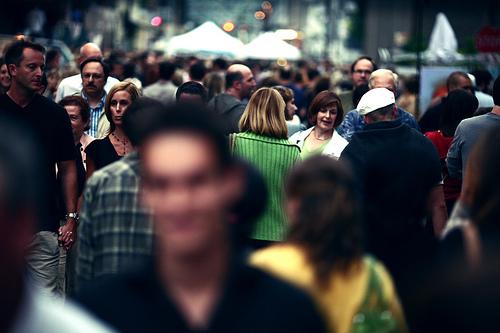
{"x":274,"y":158}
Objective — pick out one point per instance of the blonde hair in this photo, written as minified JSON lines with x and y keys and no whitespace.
{"x":129,"y":87}
{"x":264,"y":114}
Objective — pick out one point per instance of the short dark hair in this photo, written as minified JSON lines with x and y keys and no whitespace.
{"x":482,"y":77}
{"x":197,"y":71}
{"x":188,"y":117}
{"x":496,"y":91}
{"x":322,"y":100}
{"x":14,"y":54}
{"x":286,"y":73}
{"x":105,"y":66}
{"x":167,"y":69}
{"x":453,"y":79}
{"x":358,"y":92}
{"x":312,"y":73}
{"x":382,"y":113}
{"x":232,"y":77}
{"x":79,"y":101}
{"x":51,"y":54}
{"x":221,"y":63}
{"x":364,"y":57}
{"x":136,"y":119}
{"x":192,"y":88}
{"x":458,"y":105}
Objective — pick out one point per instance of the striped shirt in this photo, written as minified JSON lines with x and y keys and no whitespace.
{"x":95,"y":114}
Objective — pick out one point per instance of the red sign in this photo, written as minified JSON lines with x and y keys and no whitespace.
{"x":488,"y":39}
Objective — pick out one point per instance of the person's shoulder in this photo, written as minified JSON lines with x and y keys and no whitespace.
{"x":112,"y":80}
{"x":405,"y":114}
{"x":338,"y":139}
{"x":282,"y":306}
{"x":352,"y":117}
{"x":300,"y":135}
{"x":116,"y":170}
{"x":476,"y":121}
{"x":134,"y":291}
{"x":43,"y":315}
{"x":70,"y":80}
{"x":51,"y":108}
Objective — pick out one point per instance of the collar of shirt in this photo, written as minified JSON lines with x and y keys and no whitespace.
{"x":101,"y":102}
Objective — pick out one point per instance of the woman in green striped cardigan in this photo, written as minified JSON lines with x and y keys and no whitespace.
{"x":263,"y":142}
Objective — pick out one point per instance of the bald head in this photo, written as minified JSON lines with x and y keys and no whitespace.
{"x":240,"y":81}
{"x":384,"y":78}
{"x":459,"y":80}
{"x":89,"y":50}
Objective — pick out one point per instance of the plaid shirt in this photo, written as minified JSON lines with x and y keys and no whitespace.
{"x":115,"y":231}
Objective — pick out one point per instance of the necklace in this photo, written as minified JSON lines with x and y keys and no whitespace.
{"x":122,"y":141}
{"x":321,"y":139}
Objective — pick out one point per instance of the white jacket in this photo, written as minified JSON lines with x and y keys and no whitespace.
{"x":333,"y":149}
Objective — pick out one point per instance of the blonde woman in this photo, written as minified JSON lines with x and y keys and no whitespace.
{"x":263,"y":142}
{"x":116,"y":144}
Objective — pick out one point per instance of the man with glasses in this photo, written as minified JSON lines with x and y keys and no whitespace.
{"x":73,"y":84}
{"x":361,"y":69}
{"x":94,"y":74}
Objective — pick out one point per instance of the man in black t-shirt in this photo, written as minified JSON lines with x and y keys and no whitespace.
{"x":51,"y":125}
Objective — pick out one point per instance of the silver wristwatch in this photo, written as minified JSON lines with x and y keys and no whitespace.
{"x":73,"y":215}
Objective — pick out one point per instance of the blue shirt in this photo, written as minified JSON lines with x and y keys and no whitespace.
{"x":95,"y":114}
{"x":354,"y":122}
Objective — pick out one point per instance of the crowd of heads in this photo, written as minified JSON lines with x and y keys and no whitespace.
{"x":188,"y":169}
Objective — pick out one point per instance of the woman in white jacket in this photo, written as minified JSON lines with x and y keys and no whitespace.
{"x":325,"y":113}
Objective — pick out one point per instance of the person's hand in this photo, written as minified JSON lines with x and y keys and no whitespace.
{"x":67,"y":234}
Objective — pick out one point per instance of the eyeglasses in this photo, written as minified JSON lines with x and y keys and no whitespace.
{"x":87,"y":76}
{"x":360,"y":71}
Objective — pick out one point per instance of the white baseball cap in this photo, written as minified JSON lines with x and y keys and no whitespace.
{"x":375,"y":99}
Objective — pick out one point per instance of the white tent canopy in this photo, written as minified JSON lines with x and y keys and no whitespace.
{"x":443,"y":44}
{"x":268,"y":46}
{"x":208,"y":38}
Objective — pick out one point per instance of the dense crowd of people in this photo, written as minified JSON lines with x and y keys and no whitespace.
{"x":144,"y":193}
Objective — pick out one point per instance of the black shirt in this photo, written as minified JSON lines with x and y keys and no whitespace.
{"x":52,"y":128}
{"x":253,"y":301}
{"x":102,"y":152}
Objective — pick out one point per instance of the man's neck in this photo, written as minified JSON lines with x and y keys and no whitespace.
{"x":196,"y":283}
{"x":233,"y":93}
{"x":21,"y":97}
{"x":94,"y":100}
{"x":496,"y":109}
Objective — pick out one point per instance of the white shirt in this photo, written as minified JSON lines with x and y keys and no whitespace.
{"x":73,"y":85}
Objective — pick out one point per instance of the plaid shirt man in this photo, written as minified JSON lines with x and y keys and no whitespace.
{"x":115,"y":232}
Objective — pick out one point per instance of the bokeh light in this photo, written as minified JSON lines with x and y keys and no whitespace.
{"x":281,"y":62}
{"x":260,"y":15}
{"x":156,"y":21}
{"x":266,"y":5}
{"x":228,"y":26}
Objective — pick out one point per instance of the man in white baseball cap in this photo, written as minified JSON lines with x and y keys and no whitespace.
{"x":384,"y":130}
{"x":377,"y":104}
